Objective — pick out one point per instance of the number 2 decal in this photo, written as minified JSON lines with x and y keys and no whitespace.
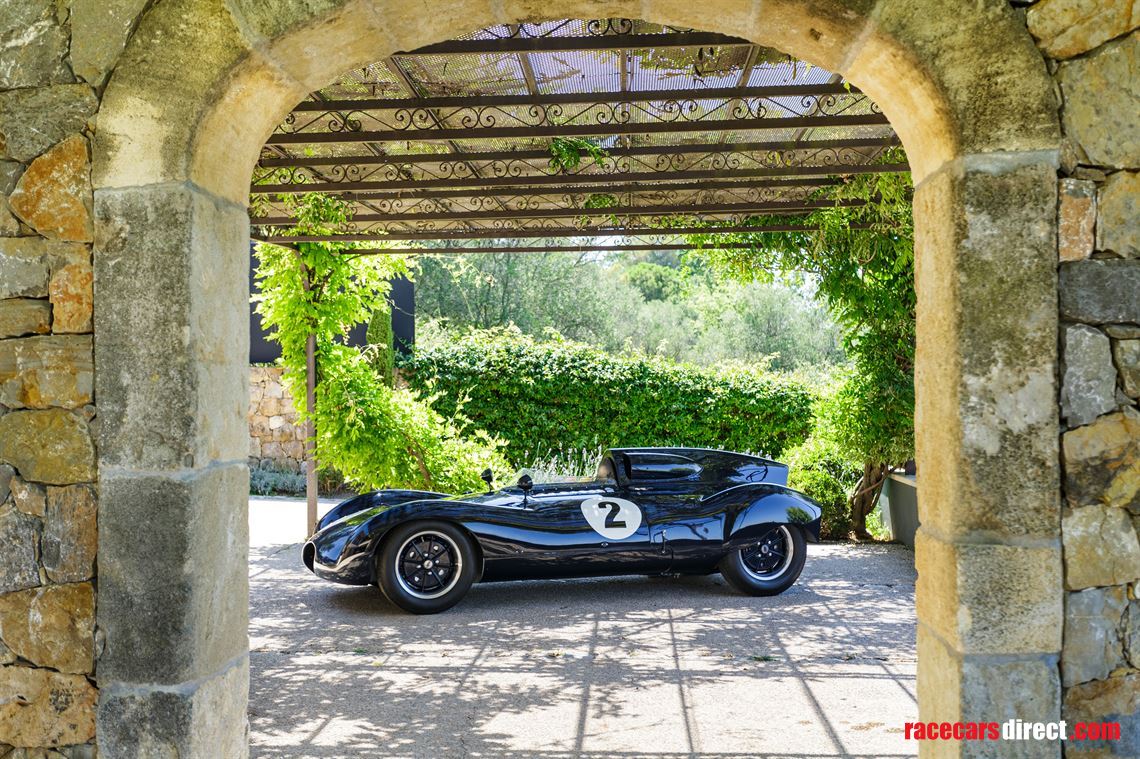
{"x":612,"y":518}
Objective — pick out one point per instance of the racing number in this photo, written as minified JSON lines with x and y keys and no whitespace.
{"x":611,"y":519}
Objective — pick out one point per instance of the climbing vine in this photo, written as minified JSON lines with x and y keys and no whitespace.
{"x":860,"y":258}
{"x":374,"y":435}
{"x":566,"y":153}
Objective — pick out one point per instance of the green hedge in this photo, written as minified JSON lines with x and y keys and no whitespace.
{"x":543,"y":396}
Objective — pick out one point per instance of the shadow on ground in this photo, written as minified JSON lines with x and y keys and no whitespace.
{"x":616,"y":667}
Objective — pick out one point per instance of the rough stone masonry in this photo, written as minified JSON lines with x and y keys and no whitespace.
{"x":56,"y":58}
{"x":47,"y":413}
{"x":1093,"y":52}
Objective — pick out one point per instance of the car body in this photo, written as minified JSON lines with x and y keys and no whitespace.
{"x":648,"y":511}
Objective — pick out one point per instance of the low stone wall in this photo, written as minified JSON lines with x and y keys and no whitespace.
{"x":276,"y":437}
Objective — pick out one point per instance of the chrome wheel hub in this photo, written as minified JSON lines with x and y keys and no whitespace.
{"x":428,"y":564}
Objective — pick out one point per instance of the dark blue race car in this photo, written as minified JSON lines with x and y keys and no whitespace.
{"x":647,"y":511}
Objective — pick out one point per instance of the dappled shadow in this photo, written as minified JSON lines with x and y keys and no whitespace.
{"x":622,"y":667}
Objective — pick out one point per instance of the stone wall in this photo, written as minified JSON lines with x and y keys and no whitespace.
{"x":1094,"y":55}
{"x":47,"y":414}
{"x":275,"y":438}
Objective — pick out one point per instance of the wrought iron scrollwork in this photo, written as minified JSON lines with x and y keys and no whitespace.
{"x":691,"y":107}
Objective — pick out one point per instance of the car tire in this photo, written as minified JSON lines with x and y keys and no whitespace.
{"x":755,"y":568}
{"x":426,"y":567}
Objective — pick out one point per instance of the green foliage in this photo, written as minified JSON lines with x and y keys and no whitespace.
{"x":823,"y":467}
{"x":655,"y":282}
{"x":862,"y":261}
{"x":874,"y":406}
{"x":273,"y":481}
{"x":650,"y":304}
{"x":819,"y":468}
{"x":600,"y":200}
{"x":542,"y":395}
{"x":379,"y":437}
{"x":381,"y":344}
{"x":373,"y":435}
{"x":566,"y":153}
{"x":318,"y":287}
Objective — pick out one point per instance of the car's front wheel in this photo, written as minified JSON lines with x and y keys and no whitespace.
{"x":769,"y":566}
{"x":426,"y":567}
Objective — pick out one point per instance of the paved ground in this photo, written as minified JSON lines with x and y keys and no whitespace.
{"x":624,"y":667}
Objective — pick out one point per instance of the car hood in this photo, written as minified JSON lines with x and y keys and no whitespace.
{"x":371,"y":504}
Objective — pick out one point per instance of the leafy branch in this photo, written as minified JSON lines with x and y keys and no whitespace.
{"x":566,"y":153}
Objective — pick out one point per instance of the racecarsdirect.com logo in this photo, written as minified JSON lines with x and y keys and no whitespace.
{"x":1012,"y":730}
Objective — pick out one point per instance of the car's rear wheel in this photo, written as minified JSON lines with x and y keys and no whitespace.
{"x":426,"y":567}
{"x":768,"y":566}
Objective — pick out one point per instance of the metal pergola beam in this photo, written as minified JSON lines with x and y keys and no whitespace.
{"x":541,"y":234}
{"x":553,"y":44}
{"x":615,"y":152}
{"x":615,"y":189}
{"x":572,"y":98}
{"x":671,"y":209}
{"x":620,"y":248}
{"x":575,"y":130}
{"x":547,"y":180}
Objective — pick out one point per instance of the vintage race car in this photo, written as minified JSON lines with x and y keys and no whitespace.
{"x":647,"y":511}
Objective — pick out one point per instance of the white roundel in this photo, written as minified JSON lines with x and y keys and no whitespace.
{"x":612,"y":518}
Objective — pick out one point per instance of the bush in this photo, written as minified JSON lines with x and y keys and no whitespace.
{"x":273,"y":481}
{"x":820,"y":469}
{"x":378,"y":437}
{"x":541,"y":396}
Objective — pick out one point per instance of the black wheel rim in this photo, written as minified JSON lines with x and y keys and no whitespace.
{"x":771,"y":556}
{"x":428,"y":564}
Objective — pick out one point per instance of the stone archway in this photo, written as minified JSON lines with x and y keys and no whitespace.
{"x":201,"y":84}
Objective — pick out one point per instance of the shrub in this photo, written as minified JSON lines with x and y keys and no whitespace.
{"x":820,"y":469}
{"x":274,"y":481}
{"x":541,"y":396}
{"x":378,"y":437}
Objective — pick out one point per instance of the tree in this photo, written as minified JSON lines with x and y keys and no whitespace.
{"x":862,"y":258}
{"x":626,"y":303}
{"x":374,"y":435}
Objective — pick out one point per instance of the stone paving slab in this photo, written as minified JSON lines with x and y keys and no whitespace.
{"x":613,"y":667}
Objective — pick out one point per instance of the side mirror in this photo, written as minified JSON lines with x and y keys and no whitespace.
{"x":526,"y":484}
{"x":488,"y":477}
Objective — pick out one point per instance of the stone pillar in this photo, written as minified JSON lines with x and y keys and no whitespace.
{"x":172,"y":605}
{"x":988,"y":552}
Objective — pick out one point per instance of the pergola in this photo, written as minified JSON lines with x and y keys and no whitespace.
{"x":449,"y":147}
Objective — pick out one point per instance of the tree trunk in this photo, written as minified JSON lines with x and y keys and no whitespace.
{"x":866,"y":495}
{"x":310,"y":411}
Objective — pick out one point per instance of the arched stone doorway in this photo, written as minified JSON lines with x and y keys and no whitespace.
{"x":186,"y":110}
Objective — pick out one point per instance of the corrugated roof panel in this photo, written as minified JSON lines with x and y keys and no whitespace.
{"x":445,"y":75}
{"x":686,"y":67}
{"x":765,"y":73}
{"x":576,"y":71}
